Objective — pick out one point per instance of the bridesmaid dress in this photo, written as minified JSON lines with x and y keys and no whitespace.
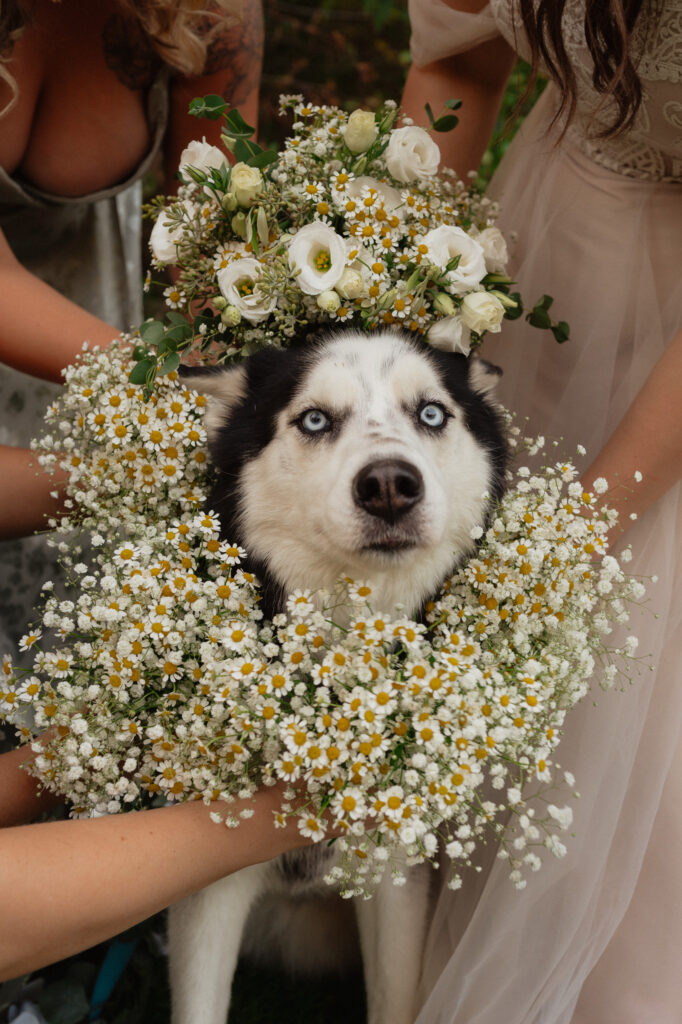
{"x":89,"y":249}
{"x":595,"y":938}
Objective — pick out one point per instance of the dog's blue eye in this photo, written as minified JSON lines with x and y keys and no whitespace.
{"x":432,"y":415}
{"x":314,"y":421}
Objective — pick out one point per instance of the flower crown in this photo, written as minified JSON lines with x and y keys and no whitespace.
{"x":351,"y":222}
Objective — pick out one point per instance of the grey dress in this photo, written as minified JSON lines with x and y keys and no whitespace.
{"x":88,"y":249}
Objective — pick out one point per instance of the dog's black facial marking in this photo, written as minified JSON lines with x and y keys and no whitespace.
{"x":272,"y":378}
{"x":482,"y":417}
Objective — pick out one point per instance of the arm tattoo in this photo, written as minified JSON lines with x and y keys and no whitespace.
{"x":128,"y":52}
{"x":239,"y":52}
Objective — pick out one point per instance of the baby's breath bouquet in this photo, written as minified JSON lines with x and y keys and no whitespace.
{"x":156,"y":677}
{"x":352,"y":222}
{"x":165,"y":683}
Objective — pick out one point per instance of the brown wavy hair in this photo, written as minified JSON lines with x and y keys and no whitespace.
{"x":608,"y":30}
{"x":180,"y":31}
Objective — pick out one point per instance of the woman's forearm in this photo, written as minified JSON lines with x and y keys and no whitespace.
{"x":27,"y":495}
{"x":478,"y":78}
{"x":648,"y":440}
{"x":41,"y":331}
{"x":67,"y":885}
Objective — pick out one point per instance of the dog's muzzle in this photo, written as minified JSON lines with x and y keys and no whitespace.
{"x":388,"y":489}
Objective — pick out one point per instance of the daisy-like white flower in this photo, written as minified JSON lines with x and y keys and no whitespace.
{"x":312,"y":828}
{"x":175,"y":297}
{"x":29,"y":640}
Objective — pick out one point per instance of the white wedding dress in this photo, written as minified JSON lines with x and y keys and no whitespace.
{"x":596,"y":938}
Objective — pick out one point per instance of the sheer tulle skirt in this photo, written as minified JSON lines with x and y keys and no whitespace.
{"x":609,"y":249}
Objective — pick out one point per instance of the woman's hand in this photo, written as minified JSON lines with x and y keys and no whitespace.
{"x":647,"y":441}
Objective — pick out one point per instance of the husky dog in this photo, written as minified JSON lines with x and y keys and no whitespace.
{"x":371,"y":456}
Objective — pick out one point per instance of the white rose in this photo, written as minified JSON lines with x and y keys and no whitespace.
{"x":320,"y":255}
{"x":494,"y":246}
{"x":238,"y":283}
{"x":446,"y":242}
{"x":201,"y":155}
{"x":165,"y":237}
{"x":482,"y":312}
{"x":328,"y":301}
{"x":360,"y":131}
{"x":245,"y":182}
{"x":450,"y":335}
{"x":351,"y":284}
{"x":411,"y":153}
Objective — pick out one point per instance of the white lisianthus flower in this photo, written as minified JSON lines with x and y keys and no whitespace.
{"x":201,"y":155}
{"x":238,"y":283}
{"x":411,"y":153}
{"x":450,"y":335}
{"x":245,"y":182}
{"x":448,"y":241}
{"x":320,"y":255}
{"x":361,"y":131}
{"x":494,"y":246}
{"x":482,"y":312}
{"x":164,"y":239}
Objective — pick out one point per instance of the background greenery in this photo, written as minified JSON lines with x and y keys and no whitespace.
{"x":350,"y":53}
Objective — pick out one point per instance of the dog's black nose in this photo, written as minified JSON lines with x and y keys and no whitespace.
{"x":388,"y":488}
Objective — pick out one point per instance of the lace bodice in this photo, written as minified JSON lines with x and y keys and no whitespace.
{"x":652,"y":148}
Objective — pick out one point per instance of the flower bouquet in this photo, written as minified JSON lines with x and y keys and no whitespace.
{"x":166,"y":683}
{"x":350,"y":223}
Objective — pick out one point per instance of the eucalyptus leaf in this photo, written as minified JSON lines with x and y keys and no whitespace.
{"x":152,"y":331}
{"x":176,"y":318}
{"x":445,"y":123}
{"x":539,"y":318}
{"x":211,"y":106}
{"x":267,"y":156}
{"x":245,"y":150}
{"x":178,"y":334}
{"x":236,"y":126}
{"x":561,"y":331}
{"x":170,"y":363}
{"x":138,"y":374}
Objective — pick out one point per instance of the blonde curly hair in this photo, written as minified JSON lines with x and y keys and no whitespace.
{"x":181,"y":31}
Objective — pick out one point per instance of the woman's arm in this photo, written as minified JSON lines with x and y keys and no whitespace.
{"x":26,"y":498}
{"x":40,"y":331}
{"x":67,"y":885}
{"x":477,"y":77}
{"x":648,"y":440}
{"x":232,"y":71}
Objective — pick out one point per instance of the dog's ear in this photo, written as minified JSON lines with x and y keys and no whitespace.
{"x":483,"y":376}
{"x":225,"y":388}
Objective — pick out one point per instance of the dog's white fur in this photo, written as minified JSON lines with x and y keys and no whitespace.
{"x":299,"y":517}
